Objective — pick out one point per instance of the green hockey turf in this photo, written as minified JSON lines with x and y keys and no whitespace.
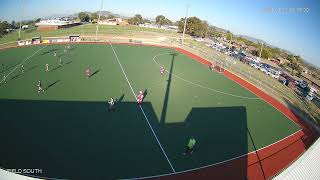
{"x":68,"y":131}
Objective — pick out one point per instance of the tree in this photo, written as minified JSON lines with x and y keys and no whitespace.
{"x":94,"y":17}
{"x":166,"y":22}
{"x":111,"y":16}
{"x":160,"y":20}
{"x":103,"y":17}
{"x":195,"y":26}
{"x":37,"y":20}
{"x":137,"y":19}
{"x":265,"y":53}
{"x":13,"y":25}
{"x":84,"y":17}
{"x":293,"y":63}
{"x":4,"y":25}
{"x":229,"y":36}
{"x":146,"y":21}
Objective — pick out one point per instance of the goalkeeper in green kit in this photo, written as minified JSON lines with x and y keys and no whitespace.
{"x":190,"y":146}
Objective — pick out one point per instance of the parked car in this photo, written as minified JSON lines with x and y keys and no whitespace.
{"x":264,"y":70}
{"x":256,"y":65}
{"x":310,"y":97}
{"x":274,"y":75}
{"x":198,"y":39}
{"x":301,"y":84}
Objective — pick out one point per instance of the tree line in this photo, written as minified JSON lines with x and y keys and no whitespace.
{"x":6,"y":27}
{"x":84,"y":17}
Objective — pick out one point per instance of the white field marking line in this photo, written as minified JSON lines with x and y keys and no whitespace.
{"x":217,"y":163}
{"x":154,"y":134}
{"x":289,"y":119}
{"x":167,"y":174}
{"x":23,"y":62}
{"x":205,"y":87}
{"x":221,"y":162}
{"x":258,"y":98}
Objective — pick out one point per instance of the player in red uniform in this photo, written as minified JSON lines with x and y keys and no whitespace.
{"x":161,"y":70}
{"x":88,"y":72}
{"x":140,"y":97}
{"x":211,"y":66}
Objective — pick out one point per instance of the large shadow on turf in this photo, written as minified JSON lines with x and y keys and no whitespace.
{"x":78,"y":140}
{"x":166,"y":97}
{"x":83,"y":140}
{"x":221,"y":134}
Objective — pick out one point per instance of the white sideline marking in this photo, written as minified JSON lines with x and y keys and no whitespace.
{"x":217,"y":163}
{"x":205,"y":87}
{"x":154,"y":134}
{"x":179,"y":172}
{"x":166,"y":174}
{"x":23,"y":62}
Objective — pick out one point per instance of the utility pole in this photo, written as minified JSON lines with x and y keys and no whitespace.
{"x":260,"y":50}
{"x":185,"y":24}
{"x":99,"y":20}
{"x":20,"y":20}
{"x":230,"y":41}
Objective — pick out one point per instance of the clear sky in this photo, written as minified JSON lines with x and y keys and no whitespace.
{"x":297,"y":32}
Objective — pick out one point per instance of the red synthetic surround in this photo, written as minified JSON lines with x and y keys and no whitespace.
{"x":273,"y":158}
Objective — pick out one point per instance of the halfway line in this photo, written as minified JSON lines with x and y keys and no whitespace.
{"x":154,"y":134}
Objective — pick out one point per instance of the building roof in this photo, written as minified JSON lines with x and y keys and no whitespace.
{"x":55,"y":22}
{"x":306,"y":167}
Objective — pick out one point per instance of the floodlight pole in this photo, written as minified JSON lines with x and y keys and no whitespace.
{"x":185,"y":24}
{"x":99,"y":20}
{"x":20,"y":19}
{"x":260,"y":51}
{"x":230,"y":41}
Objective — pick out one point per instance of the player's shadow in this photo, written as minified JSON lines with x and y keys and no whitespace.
{"x":21,"y":73}
{"x":68,"y":62}
{"x":52,"y":84}
{"x":118,"y":102}
{"x":16,"y":76}
{"x":31,"y":68}
{"x":166,"y":97}
{"x":95,"y":72}
{"x":61,"y":55}
{"x":145,"y":93}
{"x":56,"y":68}
{"x":9,"y":67}
{"x":120,"y":99}
{"x":49,"y":51}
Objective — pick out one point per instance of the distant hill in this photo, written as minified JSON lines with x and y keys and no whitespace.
{"x":255,"y":40}
{"x":103,"y":13}
{"x":219,"y":29}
